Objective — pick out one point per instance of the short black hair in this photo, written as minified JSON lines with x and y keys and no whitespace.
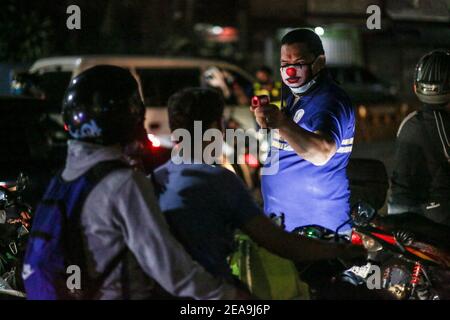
{"x":194,"y":104}
{"x":307,"y":36}
{"x":265,"y":69}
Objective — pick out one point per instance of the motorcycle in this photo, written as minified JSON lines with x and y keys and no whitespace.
{"x":15,"y":221}
{"x":411,"y":252}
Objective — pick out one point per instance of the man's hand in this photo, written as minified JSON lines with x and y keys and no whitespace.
{"x":351,"y":251}
{"x":300,"y":249}
{"x":316,"y":147}
{"x":244,"y":295}
{"x":269,"y":116}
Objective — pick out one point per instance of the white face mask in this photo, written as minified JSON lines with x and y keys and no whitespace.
{"x":304,"y":88}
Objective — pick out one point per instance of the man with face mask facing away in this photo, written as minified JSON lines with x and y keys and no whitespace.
{"x":313,"y":140}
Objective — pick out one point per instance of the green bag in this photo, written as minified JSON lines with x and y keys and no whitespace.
{"x":267,"y":275}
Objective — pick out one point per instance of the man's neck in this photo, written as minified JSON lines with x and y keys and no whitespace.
{"x":297,"y":97}
{"x":196,"y":156}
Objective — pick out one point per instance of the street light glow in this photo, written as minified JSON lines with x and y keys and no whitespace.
{"x":217,"y":30}
{"x":319,"y":30}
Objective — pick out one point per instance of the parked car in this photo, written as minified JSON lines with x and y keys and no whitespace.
{"x":362,"y":86}
{"x":31,"y":142}
{"x":158,"y":79}
{"x":379,"y":111}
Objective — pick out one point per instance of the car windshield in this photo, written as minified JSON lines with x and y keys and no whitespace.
{"x":352,"y":75}
{"x":54,"y":84}
{"x":22,"y":135}
{"x":159,"y":84}
{"x":367,"y":77}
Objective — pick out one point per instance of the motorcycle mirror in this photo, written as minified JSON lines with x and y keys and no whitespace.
{"x":4,"y":193}
{"x":2,"y":216}
{"x":22,"y":182}
{"x":362,"y":213}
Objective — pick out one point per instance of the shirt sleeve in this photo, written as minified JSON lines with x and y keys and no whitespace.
{"x":147,"y":235}
{"x":243,"y":206}
{"x":410,"y":177}
{"x":332,"y":119}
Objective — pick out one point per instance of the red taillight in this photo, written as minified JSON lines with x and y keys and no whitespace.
{"x":415,"y":277}
{"x":66,"y":127}
{"x":356,"y":239}
{"x":251,"y":160}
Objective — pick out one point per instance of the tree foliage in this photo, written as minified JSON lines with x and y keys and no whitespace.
{"x":25,"y":34}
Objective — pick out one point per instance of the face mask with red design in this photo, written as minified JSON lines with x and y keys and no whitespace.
{"x":293,"y":76}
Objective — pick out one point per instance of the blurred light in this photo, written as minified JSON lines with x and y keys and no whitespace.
{"x":319,"y":30}
{"x":217,"y":30}
{"x":264,"y":146}
{"x":362,"y":111}
{"x":228,"y":34}
{"x":251,"y":160}
{"x":370,"y":244}
{"x":227,"y":150}
{"x":356,"y":239}
{"x":154,"y":140}
{"x":404,"y":108}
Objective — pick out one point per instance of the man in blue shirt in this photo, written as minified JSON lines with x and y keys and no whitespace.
{"x":313,"y":140}
{"x":204,"y":204}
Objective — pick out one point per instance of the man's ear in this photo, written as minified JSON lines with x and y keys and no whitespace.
{"x":218,"y":124}
{"x":319,"y":64}
{"x":222,"y":124}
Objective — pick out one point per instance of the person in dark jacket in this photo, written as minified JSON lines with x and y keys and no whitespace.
{"x":421,"y":176}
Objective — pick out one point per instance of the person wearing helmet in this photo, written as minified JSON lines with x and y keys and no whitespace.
{"x":421,"y":175}
{"x":313,"y":143}
{"x":266,"y":85}
{"x":103,"y":112}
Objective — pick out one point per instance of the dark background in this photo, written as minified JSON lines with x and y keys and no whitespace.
{"x":34,"y":29}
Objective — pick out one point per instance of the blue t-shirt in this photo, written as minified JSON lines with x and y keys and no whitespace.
{"x":204,"y":205}
{"x":305,"y":193}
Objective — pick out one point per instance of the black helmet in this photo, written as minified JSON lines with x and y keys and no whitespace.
{"x":102,"y":105}
{"x":432,"y":78}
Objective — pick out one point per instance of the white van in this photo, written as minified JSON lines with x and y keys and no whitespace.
{"x":158,"y":79}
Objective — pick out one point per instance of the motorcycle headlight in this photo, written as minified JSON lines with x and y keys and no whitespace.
{"x":370,"y":244}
